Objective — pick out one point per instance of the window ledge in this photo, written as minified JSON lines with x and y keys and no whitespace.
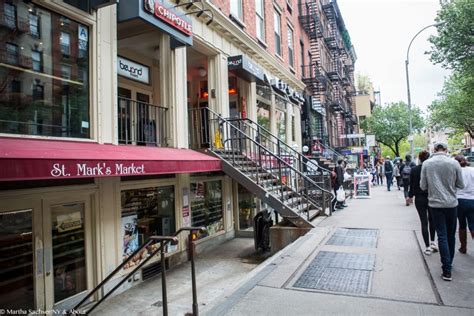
{"x":292,"y":69}
{"x":262,"y":42}
{"x":279,"y":57}
{"x":237,"y":21}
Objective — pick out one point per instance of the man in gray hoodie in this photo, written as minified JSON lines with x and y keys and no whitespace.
{"x":441,"y":175}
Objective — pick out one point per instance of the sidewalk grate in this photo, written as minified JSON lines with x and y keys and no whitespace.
{"x":338,"y":272}
{"x":353,"y":237}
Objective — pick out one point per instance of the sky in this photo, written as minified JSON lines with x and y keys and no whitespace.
{"x":380,"y":31}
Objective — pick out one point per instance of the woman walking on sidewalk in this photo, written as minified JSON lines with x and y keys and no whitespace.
{"x":421,"y":204}
{"x":465,"y":203}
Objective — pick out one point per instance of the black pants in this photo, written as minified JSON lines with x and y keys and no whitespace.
{"x":426,"y":219}
{"x":406,"y":187}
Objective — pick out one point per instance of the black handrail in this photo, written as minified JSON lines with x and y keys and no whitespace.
{"x":290,"y":148}
{"x":262,"y":132}
{"x":221,"y":120}
{"x":164,"y":241}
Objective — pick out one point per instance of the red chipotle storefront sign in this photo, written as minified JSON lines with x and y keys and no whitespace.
{"x":164,"y":13}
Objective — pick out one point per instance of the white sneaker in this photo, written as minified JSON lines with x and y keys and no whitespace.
{"x":434,"y":247}
{"x":428,"y":251}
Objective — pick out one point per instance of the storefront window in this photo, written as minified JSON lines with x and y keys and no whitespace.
{"x":206,"y":206}
{"x":34,"y":51}
{"x":146,"y":212}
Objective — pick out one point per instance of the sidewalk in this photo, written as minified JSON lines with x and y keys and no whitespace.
{"x":369,"y":262}
{"x":375,"y":267}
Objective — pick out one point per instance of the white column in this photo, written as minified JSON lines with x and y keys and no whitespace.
{"x":252,"y":102}
{"x":297,"y":118}
{"x":103,"y":121}
{"x":289,"y":120}
{"x":173,"y":91}
{"x":218,"y":77}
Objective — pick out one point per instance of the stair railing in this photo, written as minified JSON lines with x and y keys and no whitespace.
{"x":164,"y":241}
{"x":319,"y":174}
{"x":225,"y":135}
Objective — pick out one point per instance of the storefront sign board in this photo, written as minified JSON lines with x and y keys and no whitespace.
{"x":133,"y":70}
{"x":245,"y":67}
{"x":165,"y":12}
{"x":160,"y":14}
{"x":362,"y":186}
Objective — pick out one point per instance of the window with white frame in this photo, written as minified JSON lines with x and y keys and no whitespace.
{"x":236,"y":9}
{"x":277,"y":29}
{"x":291,"y":57}
{"x":36,"y":61}
{"x":34,"y":25}
{"x":65,"y":43}
{"x":9,"y":15}
{"x":260,"y":17}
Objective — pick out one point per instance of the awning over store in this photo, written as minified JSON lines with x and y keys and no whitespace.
{"x":28,"y":159}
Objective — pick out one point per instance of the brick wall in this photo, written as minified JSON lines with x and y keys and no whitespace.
{"x":249,"y":21}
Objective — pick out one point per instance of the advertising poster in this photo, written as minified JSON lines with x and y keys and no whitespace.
{"x":130,"y":235}
{"x":362,"y":186}
{"x":185,"y":211}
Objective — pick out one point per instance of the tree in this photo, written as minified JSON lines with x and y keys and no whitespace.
{"x":455,"y":109}
{"x":454,"y":44}
{"x":390,"y":124}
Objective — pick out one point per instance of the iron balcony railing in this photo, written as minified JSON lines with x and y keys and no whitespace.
{"x":141,"y":123}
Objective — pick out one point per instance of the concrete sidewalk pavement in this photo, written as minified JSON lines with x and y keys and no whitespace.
{"x":365,"y":259}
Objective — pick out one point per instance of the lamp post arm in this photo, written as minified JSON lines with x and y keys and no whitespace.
{"x":408,"y":85}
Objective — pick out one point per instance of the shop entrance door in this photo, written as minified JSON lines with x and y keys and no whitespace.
{"x":138,"y":117}
{"x":45,"y":260}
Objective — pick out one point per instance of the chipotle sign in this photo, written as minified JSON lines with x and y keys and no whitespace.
{"x":164,"y":13}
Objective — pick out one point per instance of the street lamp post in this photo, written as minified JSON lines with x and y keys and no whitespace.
{"x":410,"y":138}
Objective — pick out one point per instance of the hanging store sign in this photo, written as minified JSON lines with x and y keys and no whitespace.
{"x":245,"y":68}
{"x":161,"y":14}
{"x":165,"y":12}
{"x":132,"y":70}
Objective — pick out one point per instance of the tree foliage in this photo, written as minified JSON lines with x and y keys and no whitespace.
{"x":364,"y":85}
{"x":453,"y":46}
{"x":455,"y":109}
{"x":390,"y":124}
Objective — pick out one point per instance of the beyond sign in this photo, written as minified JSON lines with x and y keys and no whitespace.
{"x":133,"y":70}
{"x":163,"y":13}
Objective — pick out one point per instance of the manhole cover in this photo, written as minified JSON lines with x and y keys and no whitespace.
{"x":338,"y":272}
{"x":351,"y":237}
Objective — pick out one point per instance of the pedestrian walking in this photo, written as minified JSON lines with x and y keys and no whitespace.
{"x":421,"y":204}
{"x":405,"y":170}
{"x":441,"y":175}
{"x":338,"y":180}
{"x":380,"y":173}
{"x":466,"y":203}
{"x":388,"y":168}
{"x":396,"y":173}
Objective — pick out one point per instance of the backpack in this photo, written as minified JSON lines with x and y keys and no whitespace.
{"x":406,"y":171}
{"x":388,"y":166}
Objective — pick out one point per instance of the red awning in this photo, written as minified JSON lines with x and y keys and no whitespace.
{"x":27,"y":159}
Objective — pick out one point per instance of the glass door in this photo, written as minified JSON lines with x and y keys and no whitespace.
{"x":21,"y":256}
{"x":138,"y":118}
{"x":68,"y":252}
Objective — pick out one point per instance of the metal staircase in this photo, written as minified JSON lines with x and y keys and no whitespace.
{"x":290,"y":183}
